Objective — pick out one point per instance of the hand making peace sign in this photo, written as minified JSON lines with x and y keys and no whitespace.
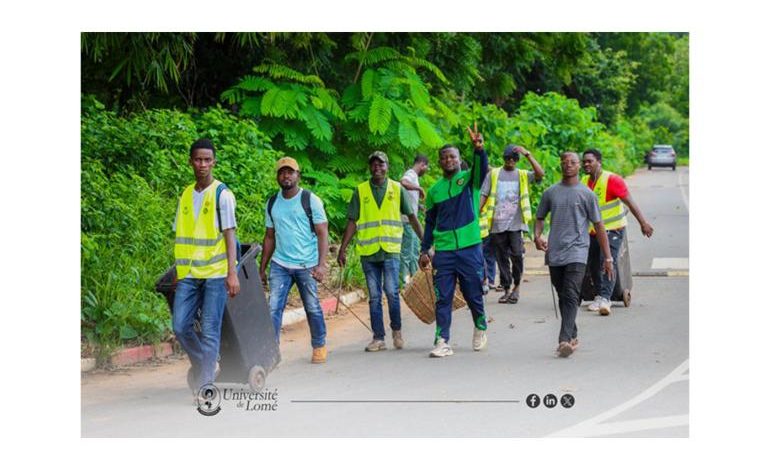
{"x":476,"y":137}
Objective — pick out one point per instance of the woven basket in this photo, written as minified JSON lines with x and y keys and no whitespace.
{"x":420,"y":297}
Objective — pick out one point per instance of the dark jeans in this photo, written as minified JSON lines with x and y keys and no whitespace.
{"x":449,"y":267}
{"x":602,"y":284}
{"x":490,"y":262}
{"x":567,"y":281}
{"x":378,"y":275}
{"x":509,"y":250}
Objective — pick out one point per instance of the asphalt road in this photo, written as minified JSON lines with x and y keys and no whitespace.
{"x":630,"y":376}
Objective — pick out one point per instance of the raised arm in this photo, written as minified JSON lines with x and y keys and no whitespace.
{"x":539,"y":172}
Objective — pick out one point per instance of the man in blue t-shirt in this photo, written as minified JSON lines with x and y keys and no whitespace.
{"x":298,"y":253}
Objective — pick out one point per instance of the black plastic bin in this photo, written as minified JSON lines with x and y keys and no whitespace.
{"x":623,"y":283}
{"x":248,"y":350}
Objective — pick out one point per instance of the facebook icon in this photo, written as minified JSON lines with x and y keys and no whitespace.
{"x":533,"y":401}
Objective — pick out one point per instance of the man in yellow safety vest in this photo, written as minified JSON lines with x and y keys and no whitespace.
{"x":374,"y":214}
{"x":205,"y":253}
{"x":487,"y":250}
{"x":505,"y":199}
{"x":611,"y":190}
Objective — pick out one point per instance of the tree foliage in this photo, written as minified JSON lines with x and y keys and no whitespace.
{"x":133,"y":169}
{"x":329,"y":100}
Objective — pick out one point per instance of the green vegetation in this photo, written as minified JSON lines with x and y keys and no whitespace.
{"x":329,"y":100}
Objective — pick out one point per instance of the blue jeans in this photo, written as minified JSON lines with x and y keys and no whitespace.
{"x":281,"y":280}
{"x":208,"y":296}
{"x":603,"y":285}
{"x":376,"y":273}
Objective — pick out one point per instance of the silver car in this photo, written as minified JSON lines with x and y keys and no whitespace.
{"x":661,"y":155}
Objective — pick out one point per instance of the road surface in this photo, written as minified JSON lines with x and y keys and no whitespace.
{"x":630,"y":376}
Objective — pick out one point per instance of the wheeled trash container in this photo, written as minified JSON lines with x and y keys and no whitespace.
{"x":248,"y":350}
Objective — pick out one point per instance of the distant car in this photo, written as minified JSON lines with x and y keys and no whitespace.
{"x":661,"y":155}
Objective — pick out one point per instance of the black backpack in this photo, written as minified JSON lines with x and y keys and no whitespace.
{"x":304,"y":200}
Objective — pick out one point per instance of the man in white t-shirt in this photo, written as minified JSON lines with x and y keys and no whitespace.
{"x":410,"y":243}
{"x":206,"y":266}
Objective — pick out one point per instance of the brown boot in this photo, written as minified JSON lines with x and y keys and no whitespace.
{"x":565,"y":349}
{"x":319,"y":355}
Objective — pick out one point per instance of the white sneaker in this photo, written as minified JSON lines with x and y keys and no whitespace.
{"x":442,"y":349}
{"x":479,"y":339}
{"x":604,"y":307}
{"x":376,"y":345}
{"x":594,"y":306}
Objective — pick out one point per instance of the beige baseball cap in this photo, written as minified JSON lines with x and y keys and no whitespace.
{"x":286,"y":161}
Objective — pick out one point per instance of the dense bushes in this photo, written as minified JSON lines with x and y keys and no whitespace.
{"x":135,"y":167}
{"x":133,"y":170}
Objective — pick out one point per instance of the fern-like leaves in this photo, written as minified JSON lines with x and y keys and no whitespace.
{"x":428,"y":133}
{"x":281,"y":72}
{"x":317,"y":123}
{"x":408,"y":135}
{"x":380,"y":115}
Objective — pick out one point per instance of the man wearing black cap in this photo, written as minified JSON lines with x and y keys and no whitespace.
{"x":506,"y":193}
{"x":374,"y":214}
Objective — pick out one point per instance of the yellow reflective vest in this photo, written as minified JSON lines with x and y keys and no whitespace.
{"x":488,"y":211}
{"x":613,"y":213}
{"x":379,"y":227}
{"x":199,"y":247}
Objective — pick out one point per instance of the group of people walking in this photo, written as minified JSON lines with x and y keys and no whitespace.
{"x":475,"y":218}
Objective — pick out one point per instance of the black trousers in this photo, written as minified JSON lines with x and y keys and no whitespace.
{"x":509,"y":252}
{"x":567,"y":280}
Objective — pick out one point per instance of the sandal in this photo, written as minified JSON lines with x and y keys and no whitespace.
{"x":504,"y":298}
{"x":513,"y":297}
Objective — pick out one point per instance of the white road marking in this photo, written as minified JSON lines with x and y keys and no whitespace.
{"x":640,"y":425}
{"x":595,"y":426}
{"x":671,"y":263}
{"x":681,"y":189}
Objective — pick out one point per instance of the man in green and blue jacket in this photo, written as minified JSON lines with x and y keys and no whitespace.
{"x":452,"y":228}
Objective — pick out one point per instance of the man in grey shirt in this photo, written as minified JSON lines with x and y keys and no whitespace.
{"x":572,"y":206}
